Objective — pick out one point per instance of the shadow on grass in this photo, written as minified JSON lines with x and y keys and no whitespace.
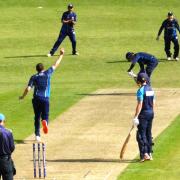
{"x":32,"y":56}
{"x":93,"y":160}
{"x":19,"y":141}
{"x":117,"y":62}
{"x":108,"y":94}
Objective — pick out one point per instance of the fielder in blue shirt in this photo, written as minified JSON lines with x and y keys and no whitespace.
{"x":7,"y":147}
{"x":143,"y":117}
{"x":147,"y":63}
{"x":40,"y":101}
{"x":68,"y":20}
{"x":170,"y":25}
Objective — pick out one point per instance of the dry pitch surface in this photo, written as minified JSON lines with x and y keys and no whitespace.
{"x":84,"y":142}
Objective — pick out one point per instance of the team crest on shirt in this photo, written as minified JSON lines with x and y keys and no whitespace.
{"x":149,"y":93}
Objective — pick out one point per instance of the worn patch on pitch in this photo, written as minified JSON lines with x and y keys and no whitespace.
{"x":85,"y":141}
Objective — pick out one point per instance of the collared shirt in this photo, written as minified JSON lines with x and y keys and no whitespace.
{"x":146,"y":95}
{"x":169,"y":28}
{"x":41,"y":84}
{"x":68,"y":16}
{"x":6,"y":142}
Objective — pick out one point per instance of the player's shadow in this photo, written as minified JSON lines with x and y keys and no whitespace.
{"x":107,"y":94}
{"x":26,"y":56}
{"x":32,"y":56}
{"x":109,"y":62}
{"x":93,"y":160}
{"x":19,"y":141}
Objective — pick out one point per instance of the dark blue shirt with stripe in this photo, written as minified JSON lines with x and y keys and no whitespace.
{"x":169,"y":28}
{"x":41,"y":83}
{"x":68,"y":16}
{"x":146,"y":95}
{"x":6,"y":142}
{"x":144,"y":59}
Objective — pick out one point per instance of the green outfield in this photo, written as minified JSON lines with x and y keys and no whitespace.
{"x":105,"y":31}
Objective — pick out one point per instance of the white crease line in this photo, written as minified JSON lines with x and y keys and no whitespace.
{"x":108,"y":175}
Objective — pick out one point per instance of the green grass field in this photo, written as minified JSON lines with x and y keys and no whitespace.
{"x":105,"y":31}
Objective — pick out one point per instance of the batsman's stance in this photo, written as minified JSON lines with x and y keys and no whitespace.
{"x":143,"y":59}
{"x":40,"y":101}
{"x":68,"y":21}
{"x":143,"y":117}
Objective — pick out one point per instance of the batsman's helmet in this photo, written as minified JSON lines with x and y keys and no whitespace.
{"x":2,"y":117}
{"x":142,"y":77}
{"x":129,"y":55}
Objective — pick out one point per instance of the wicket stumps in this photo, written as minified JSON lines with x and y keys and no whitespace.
{"x":41,"y":160}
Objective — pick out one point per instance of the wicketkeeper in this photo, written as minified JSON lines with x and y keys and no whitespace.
{"x":143,"y":117}
{"x":40,"y":101}
{"x":147,"y":63}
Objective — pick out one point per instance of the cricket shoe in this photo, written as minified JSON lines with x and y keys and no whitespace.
{"x":145,"y":158}
{"x":176,"y":59}
{"x":75,"y":54}
{"x":45,"y":126}
{"x":150,"y":155}
{"x":169,"y":58}
{"x":49,"y":55}
{"x":38,"y":138}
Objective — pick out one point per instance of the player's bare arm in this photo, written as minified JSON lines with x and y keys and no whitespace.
{"x":56,"y":64}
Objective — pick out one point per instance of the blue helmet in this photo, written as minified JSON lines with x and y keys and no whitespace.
{"x":129,"y":55}
{"x":2,"y":117}
{"x":142,"y":77}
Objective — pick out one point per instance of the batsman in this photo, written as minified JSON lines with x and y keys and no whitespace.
{"x":143,"y":117}
{"x":147,"y":63}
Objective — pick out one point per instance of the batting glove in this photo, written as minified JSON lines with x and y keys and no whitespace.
{"x":136,"y":121}
{"x":132,"y":74}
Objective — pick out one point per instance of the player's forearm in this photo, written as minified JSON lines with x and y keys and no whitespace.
{"x":25,"y":92}
{"x":56,"y":64}
{"x":131,"y":67}
{"x":138,"y":109}
{"x":160,"y":30}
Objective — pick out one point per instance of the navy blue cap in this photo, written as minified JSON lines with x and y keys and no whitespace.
{"x":2,"y":117}
{"x":70,"y":5}
{"x":170,"y":13}
{"x":142,"y":77}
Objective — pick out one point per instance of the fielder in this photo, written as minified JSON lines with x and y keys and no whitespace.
{"x":68,"y":21}
{"x":142,"y":59}
{"x":143,"y":117}
{"x":170,"y":25}
{"x":40,"y":101}
{"x":7,"y":169}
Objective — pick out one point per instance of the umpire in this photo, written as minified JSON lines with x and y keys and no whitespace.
{"x":7,"y":169}
{"x":143,"y":118}
{"x":170,"y":25}
{"x":68,"y":21}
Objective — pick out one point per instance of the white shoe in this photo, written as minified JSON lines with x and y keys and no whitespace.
{"x":177,"y":59}
{"x":49,"y":55}
{"x":76,"y":53}
{"x":169,"y":58}
{"x":38,"y":138}
{"x":150,"y":155}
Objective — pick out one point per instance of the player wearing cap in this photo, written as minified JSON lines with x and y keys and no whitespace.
{"x":147,"y":63}
{"x":170,"y":25}
{"x":143,"y":117}
{"x":68,"y":20}
{"x":40,"y":101}
{"x":7,"y":169}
